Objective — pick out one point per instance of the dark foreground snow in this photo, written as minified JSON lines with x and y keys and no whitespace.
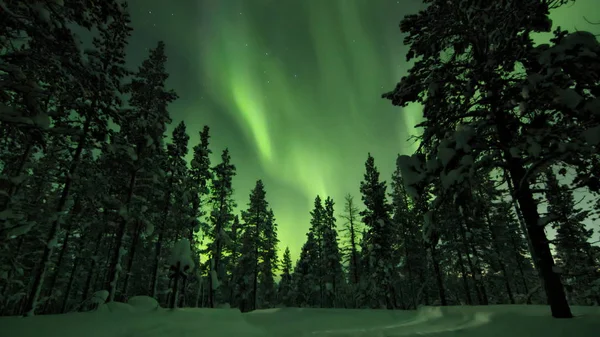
{"x":142,"y":320}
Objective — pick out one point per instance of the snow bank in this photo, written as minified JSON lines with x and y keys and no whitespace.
{"x":465,"y":321}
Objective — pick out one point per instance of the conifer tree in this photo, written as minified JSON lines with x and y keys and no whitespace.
{"x":380,"y":239}
{"x":255,"y":218}
{"x":350,"y":249}
{"x":107,"y":57}
{"x":305,"y":278}
{"x":573,"y":249}
{"x":332,"y":259}
{"x":221,"y":216}
{"x":285,"y":292}
{"x":138,"y":142}
{"x":268,"y":261}
{"x":479,"y":109}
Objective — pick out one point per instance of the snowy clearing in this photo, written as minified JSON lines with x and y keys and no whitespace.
{"x":124,"y":320}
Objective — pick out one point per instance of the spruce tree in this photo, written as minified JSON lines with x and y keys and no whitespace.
{"x":221,"y":216}
{"x":305,"y":278}
{"x":380,"y":239}
{"x":332,"y":259}
{"x":350,"y":248}
{"x":285,"y":292}
{"x":256,"y":219}
{"x":268,"y":263}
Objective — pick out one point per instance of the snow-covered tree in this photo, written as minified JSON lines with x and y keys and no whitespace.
{"x":221,"y":217}
{"x":491,"y":99}
{"x":380,"y":238}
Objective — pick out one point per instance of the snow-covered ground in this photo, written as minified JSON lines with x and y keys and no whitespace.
{"x":142,"y":320}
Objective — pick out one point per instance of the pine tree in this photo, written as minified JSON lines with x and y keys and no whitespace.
{"x":380,"y":237}
{"x":255,"y":218}
{"x":137,"y":144}
{"x":317,"y":230}
{"x":234,"y":248}
{"x":332,"y":259}
{"x":572,"y":242}
{"x":479,"y":109}
{"x":268,"y":265}
{"x":285,"y":292}
{"x":101,"y":91}
{"x":200,"y":175}
{"x":221,"y":216}
{"x":351,"y":251}
{"x":305,"y":278}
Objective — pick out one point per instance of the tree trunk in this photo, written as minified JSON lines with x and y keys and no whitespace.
{"x":40,"y":273}
{"x":553,"y":286}
{"x":470,"y":263}
{"x":438,"y":276}
{"x":115,"y":262}
{"x":519,"y":264}
{"x":463,"y":272}
{"x":161,"y":229}
{"x":63,"y":249}
{"x":90,"y":272}
{"x":175,"y":286}
{"x":69,"y":286}
{"x":132,"y":250}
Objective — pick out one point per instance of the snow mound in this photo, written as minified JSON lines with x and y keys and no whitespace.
{"x":143,"y":303}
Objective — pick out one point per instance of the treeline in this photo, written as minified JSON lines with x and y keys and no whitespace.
{"x":95,"y":205}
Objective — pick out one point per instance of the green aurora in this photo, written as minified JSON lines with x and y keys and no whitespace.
{"x":292,"y":88}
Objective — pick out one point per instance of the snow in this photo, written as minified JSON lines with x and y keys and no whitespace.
{"x":182,"y":253}
{"x":99,"y":297}
{"x":467,"y":321}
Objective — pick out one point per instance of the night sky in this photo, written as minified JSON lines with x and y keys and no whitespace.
{"x":292,"y":88}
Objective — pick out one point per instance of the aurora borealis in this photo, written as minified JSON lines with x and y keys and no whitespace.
{"x":292,"y":88}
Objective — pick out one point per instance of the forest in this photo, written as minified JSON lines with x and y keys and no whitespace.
{"x":98,"y":203}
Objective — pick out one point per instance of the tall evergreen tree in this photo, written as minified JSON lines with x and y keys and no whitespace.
{"x":268,"y":263}
{"x":101,"y":93}
{"x":140,"y":138}
{"x":572,"y":243}
{"x":332,"y":258}
{"x":256,"y":219}
{"x":380,"y":239}
{"x":351,"y":249}
{"x":221,"y":216}
{"x":305,"y":278}
{"x":479,"y":109}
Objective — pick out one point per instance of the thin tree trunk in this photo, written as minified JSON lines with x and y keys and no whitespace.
{"x":90,"y":272}
{"x":438,"y":276}
{"x":519,"y":265}
{"x":115,"y":262}
{"x":64,"y":248}
{"x":470,"y":263}
{"x":40,"y":273}
{"x":161,"y":229}
{"x":132,"y":250}
{"x":463,"y":272}
{"x":69,"y":286}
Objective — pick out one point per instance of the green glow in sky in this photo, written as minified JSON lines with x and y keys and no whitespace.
{"x":293,"y":89}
